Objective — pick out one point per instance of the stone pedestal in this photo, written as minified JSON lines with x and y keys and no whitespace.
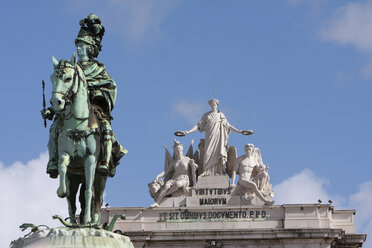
{"x":73,"y":238}
{"x":221,"y":181}
{"x":279,"y":226}
{"x":213,"y":216}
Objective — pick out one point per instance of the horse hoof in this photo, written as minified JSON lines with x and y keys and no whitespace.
{"x":61,"y":193}
{"x":96,"y":218}
{"x":53,"y":173}
{"x":87,"y":221}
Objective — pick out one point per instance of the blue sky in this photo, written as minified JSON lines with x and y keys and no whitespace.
{"x":297,"y":72}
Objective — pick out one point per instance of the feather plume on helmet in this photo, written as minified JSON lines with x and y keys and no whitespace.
{"x":91,"y":32}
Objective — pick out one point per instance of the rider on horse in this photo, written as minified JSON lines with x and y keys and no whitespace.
{"x":102,"y":96}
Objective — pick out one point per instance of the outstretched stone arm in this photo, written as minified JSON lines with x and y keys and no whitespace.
{"x":183,"y":133}
{"x":244,"y":132}
{"x":232,"y":128}
{"x":192,"y":129}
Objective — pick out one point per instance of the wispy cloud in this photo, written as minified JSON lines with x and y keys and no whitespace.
{"x":367,"y":70}
{"x":28,"y":196}
{"x":191,"y":112}
{"x":351,"y":24}
{"x":136,"y":20}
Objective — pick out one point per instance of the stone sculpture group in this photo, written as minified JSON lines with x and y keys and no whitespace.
{"x":213,"y":157}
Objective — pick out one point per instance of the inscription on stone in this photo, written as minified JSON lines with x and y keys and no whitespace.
{"x":212,"y":201}
{"x":213,"y":192}
{"x":210,"y":215}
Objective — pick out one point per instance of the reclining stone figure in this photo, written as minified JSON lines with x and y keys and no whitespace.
{"x":179,"y":175}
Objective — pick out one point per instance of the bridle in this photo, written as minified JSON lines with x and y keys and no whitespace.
{"x":69,"y":94}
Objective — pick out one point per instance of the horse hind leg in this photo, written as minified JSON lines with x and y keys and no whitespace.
{"x":62,"y":169}
{"x":99,"y":188}
{"x":89,"y":170}
{"x":73,"y":182}
{"x":82,"y":203}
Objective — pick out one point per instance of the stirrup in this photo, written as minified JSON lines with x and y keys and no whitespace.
{"x":103,"y":169}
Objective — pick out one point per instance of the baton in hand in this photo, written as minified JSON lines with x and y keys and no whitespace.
{"x":44,"y":104}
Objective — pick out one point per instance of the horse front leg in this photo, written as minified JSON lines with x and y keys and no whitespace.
{"x":89,"y":169}
{"x":64,"y":161}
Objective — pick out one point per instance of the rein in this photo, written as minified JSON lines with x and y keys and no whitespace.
{"x":69,"y":94}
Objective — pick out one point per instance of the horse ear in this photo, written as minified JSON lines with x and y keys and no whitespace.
{"x":55,"y":61}
{"x":73,"y":59}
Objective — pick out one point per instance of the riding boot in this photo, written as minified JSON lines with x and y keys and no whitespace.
{"x":103,"y":167}
{"x":52,"y":167}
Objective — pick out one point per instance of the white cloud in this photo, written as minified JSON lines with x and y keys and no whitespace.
{"x":136,"y":20}
{"x":192,"y":112}
{"x":304,"y":187}
{"x":351,"y":25}
{"x":28,"y":196}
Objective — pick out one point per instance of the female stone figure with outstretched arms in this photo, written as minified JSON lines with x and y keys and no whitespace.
{"x":217,"y":129}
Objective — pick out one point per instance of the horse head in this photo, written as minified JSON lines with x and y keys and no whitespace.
{"x":64,"y":79}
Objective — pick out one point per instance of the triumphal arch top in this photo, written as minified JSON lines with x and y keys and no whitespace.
{"x":216,"y":194}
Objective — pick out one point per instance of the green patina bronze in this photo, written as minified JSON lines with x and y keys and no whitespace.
{"x":83,"y":149}
{"x":110,"y":227}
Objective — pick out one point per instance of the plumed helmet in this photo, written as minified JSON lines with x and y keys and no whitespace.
{"x":91,"y":32}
